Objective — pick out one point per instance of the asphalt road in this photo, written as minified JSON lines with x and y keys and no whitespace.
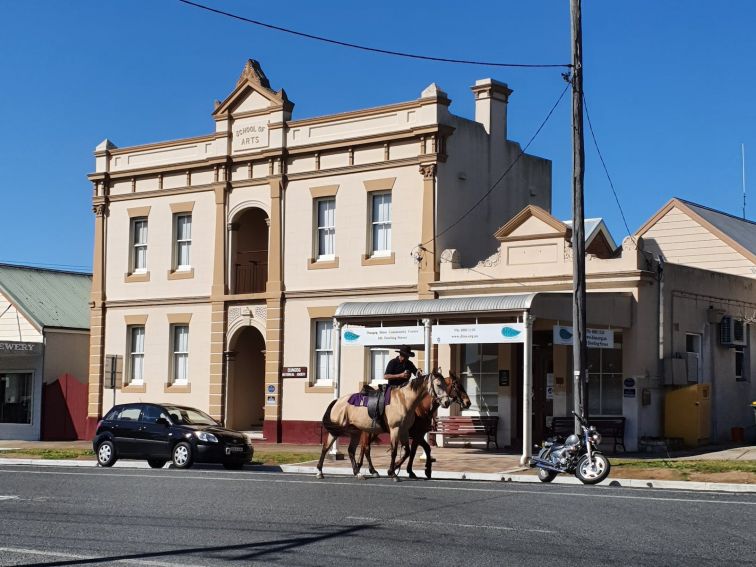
{"x":68,"y":516}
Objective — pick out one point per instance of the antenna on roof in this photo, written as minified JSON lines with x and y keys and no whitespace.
{"x":742,"y":157}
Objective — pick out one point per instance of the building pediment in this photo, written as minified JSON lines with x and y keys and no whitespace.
{"x":253,"y":94}
{"x":532,"y":223}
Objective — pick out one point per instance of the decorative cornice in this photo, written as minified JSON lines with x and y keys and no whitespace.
{"x":328,"y":293}
{"x":165,"y":192}
{"x":379,"y":165}
{"x":157,"y":302}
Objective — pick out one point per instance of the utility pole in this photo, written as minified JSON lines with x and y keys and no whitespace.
{"x":579,"y":348}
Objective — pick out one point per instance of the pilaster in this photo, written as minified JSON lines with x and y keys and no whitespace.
{"x":428,"y":269}
{"x":97,"y":313}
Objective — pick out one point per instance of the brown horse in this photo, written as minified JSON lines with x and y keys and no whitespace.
{"x":425,"y":414}
{"x":341,"y":418}
{"x":424,"y":424}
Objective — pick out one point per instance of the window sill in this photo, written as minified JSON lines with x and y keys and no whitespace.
{"x":177,"y":388}
{"x":181,"y":274}
{"x":378,"y":260}
{"x":310,"y":389}
{"x":134,"y":389}
{"x":315,"y":264}
{"x":136,"y":277}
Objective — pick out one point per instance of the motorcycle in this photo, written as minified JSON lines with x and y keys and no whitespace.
{"x":575,"y":456}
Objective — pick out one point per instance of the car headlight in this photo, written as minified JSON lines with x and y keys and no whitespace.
{"x":206,"y":437}
{"x":596,"y":438}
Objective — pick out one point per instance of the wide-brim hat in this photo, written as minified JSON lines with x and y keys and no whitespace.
{"x":406,"y":351}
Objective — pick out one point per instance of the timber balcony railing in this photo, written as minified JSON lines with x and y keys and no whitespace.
{"x":251,"y":273}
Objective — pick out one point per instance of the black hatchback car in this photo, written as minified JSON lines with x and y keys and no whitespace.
{"x":159,"y":433}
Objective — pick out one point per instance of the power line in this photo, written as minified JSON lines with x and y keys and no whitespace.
{"x":503,"y":175}
{"x":372,"y":49}
{"x":606,"y":170}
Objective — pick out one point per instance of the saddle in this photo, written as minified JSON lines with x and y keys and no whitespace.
{"x":374,"y":400}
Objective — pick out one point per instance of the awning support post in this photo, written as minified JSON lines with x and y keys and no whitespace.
{"x":428,"y":346}
{"x":334,"y":453}
{"x":527,"y":390}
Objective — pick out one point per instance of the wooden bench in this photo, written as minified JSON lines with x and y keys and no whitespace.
{"x":468,"y":426}
{"x":613,"y":427}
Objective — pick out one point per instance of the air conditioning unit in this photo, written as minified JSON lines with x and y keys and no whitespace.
{"x":732,"y":332}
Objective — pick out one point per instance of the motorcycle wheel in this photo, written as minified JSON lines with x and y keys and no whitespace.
{"x":546,"y":476}
{"x":590,"y":475}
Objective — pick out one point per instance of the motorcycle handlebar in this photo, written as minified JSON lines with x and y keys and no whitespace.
{"x":580,"y":419}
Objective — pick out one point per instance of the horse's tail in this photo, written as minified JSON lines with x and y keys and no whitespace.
{"x":329,"y":425}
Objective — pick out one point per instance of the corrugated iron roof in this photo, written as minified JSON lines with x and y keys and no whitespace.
{"x":742,"y":231}
{"x":514,"y":302}
{"x":592,"y":227}
{"x":51,"y":298}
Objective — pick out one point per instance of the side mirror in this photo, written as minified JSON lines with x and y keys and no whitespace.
{"x":163,"y":421}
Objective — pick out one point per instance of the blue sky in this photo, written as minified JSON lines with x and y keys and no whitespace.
{"x":670,"y":87}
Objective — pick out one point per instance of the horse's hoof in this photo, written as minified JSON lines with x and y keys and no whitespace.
{"x":319,"y":475}
{"x":427,"y":474}
{"x":375,"y":474}
{"x":397,"y":479}
{"x":411,"y":475}
{"x":361,"y":477}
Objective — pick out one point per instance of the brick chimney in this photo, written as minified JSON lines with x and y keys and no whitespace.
{"x":491,"y":99}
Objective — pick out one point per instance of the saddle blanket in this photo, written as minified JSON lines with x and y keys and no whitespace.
{"x":360,"y":399}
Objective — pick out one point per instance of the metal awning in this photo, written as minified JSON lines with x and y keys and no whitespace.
{"x":612,"y":309}
{"x":447,"y":305}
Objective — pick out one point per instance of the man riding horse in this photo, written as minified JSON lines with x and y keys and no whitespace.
{"x":399,"y":369}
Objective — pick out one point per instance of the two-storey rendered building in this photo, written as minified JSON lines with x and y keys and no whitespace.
{"x":220,"y":260}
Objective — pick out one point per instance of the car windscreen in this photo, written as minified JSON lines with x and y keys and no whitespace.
{"x":189,"y":416}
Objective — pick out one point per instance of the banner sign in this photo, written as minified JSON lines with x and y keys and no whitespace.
{"x":383,"y":336}
{"x":596,"y":338}
{"x":483,"y":333}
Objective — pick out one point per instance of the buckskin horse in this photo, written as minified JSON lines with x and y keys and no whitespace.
{"x":425,"y":413}
{"x":341,"y":418}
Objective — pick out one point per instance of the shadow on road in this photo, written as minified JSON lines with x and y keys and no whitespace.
{"x":253,"y":550}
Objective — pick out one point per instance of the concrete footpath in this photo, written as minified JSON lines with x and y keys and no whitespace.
{"x":462,"y":463}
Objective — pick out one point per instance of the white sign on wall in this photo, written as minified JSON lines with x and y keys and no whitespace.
{"x":483,"y":333}
{"x":596,"y":338}
{"x":383,"y":336}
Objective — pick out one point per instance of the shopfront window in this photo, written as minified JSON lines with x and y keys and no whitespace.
{"x":16,"y":398}
{"x":480,"y":368}
{"x":605,"y":380}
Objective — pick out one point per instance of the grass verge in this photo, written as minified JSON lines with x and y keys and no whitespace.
{"x":282,"y":457}
{"x":687,"y":467}
{"x":48,"y":453}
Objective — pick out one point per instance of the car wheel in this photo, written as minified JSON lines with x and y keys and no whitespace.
{"x":233,"y":466}
{"x":183,"y":456}
{"x":156,"y":463}
{"x":106,"y":455}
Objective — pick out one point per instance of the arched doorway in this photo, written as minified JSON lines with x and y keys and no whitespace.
{"x":249,"y":251}
{"x":246,"y":381}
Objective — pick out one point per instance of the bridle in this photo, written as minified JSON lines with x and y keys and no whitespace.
{"x":443,"y":399}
